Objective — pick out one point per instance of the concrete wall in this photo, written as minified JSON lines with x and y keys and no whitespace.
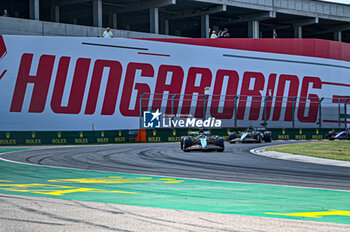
{"x":15,"y":26}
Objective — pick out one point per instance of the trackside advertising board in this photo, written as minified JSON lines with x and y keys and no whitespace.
{"x":71,"y":83}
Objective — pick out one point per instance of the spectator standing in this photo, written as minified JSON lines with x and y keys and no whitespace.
{"x":274,"y":34}
{"x":220,"y":34}
{"x":213,"y":35}
{"x":107,"y":33}
{"x":6,"y":14}
{"x":225,"y":33}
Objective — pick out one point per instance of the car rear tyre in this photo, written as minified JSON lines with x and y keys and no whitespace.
{"x":331,"y":135}
{"x":220,"y":142}
{"x":231,"y":136}
{"x":187,"y":142}
{"x":268,"y":136}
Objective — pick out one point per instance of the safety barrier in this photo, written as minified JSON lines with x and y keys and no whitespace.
{"x":63,"y":137}
{"x":130,"y":136}
{"x":166,"y":135}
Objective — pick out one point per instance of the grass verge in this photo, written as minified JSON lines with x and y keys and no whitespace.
{"x":336,"y":150}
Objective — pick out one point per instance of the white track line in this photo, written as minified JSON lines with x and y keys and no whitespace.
{"x":299,"y":158}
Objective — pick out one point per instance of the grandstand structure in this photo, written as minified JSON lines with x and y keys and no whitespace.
{"x":184,"y":18}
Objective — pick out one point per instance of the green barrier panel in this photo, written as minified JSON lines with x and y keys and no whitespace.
{"x":152,"y":135}
{"x":299,"y":134}
{"x":7,"y":138}
{"x":164,"y":135}
{"x":63,"y":137}
{"x":174,"y":135}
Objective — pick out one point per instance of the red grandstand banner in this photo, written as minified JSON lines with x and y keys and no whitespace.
{"x":62,"y":83}
{"x":301,"y":47}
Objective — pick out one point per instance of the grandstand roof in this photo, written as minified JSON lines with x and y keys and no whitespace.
{"x":191,"y":18}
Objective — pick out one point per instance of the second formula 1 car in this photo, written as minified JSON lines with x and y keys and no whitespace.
{"x":250,"y":135}
{"x":332,"y":135}
{"x":202,"y":140}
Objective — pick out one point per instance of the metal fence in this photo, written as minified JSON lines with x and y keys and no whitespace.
{"x":235,"y":111}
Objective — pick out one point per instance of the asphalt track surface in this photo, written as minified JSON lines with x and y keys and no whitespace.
{"x":235,"y":164}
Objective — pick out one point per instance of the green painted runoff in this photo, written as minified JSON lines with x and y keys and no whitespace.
{"x":176,"y":193}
